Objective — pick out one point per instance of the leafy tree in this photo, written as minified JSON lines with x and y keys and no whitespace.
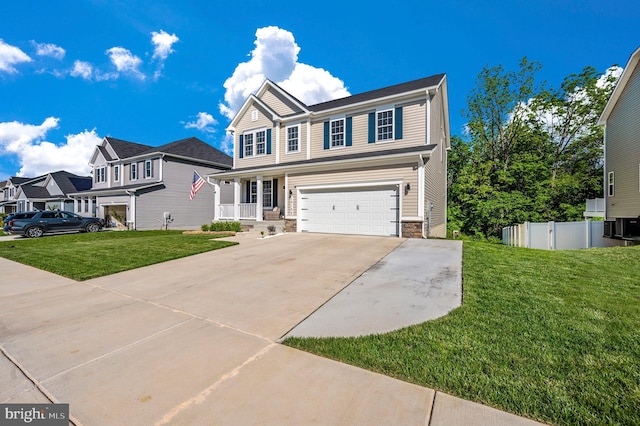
{"x":532,"y":154}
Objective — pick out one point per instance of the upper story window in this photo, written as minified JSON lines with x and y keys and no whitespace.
{"x":260,"y":142}
{"x":255,"y":143}
{"x":384,"y":125}
{"x":116,"y":173}
{"x":248,"y":145}
{"x":148,"y":169}
{"x":100,"y":174}
{"x":133,"y":171}
{"x":337,"y":133}
{"x":293,"y":143}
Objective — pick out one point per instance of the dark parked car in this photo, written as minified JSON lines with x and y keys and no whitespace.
{"x":35,"y":224}
{"x":6,"y":223}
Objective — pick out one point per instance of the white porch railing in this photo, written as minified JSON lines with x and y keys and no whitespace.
{"x":247,"y":211}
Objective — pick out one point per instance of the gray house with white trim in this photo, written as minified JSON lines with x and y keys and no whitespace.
{"x":143,"y":187}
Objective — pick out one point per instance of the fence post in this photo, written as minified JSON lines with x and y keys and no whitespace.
{"x":551,"y":242}
{"x":527,"y":235}
{"x":587,"y":233}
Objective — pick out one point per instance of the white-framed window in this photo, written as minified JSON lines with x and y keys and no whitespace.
{"x":384,"y":125}
{"x":134,"y":171}
{"x":100,"y":174}
{"x":86,"y":205}
{"x":610,"y":185}
{"x":255,"y":143}
{"x":253,"y":193}
{"x":116,"y":173}
{"x":148,"y":169}
{"x":261,"y":142}
{"x":267,"y":192}
{"x":337,"y":133}
{"x":293,"y":138}
{"x":248,"y":145}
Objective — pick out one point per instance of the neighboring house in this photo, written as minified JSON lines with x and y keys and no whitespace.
{"x":48,"y":191}
{"x":9,"y":190}
{"x":374,"y":163}
{"x":144,"y":187}
{"x":621,"y":118}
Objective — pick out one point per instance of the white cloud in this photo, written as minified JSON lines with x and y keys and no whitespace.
{"x":125,"y":62}
{"x":10,"y":56}
{"x":49,"y":49}
{"x":82,"y":69}
{"x":162,"y":43}
{"x":275,"y":57}
{"x":37,"y":156}
{"x":205,"y":123}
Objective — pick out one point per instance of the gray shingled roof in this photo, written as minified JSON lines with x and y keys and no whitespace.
{"x":68,"y":183}
{"x":409,"y":86}
{"x":196,"y":149}
{"x":190,"y":148}
{"x":126,"y":149}
{"x":19,"y":180}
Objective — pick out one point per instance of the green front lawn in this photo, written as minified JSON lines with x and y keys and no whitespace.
{"x":551,"y":335}
{"x":85,"y":256}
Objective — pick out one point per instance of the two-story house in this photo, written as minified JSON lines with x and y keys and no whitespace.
{"x":144,"y":187}
{"x":49,"y":191}
{"x":621,"y":118}
{"x":374,"y":163}
{"x":11,"y":185}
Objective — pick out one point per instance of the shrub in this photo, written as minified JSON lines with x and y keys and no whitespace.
{"x":271,"y":229}
{"x":205,"y":227}
{"x":226,"y":226}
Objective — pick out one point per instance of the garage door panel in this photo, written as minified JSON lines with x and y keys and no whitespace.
{"x":367,"y":211}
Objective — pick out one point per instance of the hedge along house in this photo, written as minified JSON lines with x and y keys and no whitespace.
{"x":374,"y":163}
{"x":144,"y":187}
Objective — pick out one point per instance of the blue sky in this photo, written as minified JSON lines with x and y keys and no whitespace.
{"x":156,"y":71}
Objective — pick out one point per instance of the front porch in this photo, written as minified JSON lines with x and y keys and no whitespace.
{"x":255,"y":198}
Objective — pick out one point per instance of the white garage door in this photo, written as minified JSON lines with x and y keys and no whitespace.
{"x":363,"y":211}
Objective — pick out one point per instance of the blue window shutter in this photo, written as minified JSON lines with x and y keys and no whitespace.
{"x":326,"y":135}
{"x":268,"y":141}
{"x":372,"y":127}
{"x":349,"y":139}
{"x":241,"y":152}
{"x":398,"y":119}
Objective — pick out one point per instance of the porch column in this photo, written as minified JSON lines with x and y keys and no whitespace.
{"x":75,"y":205}
{"x":236,"y":199}
{"x":259,"y":198}
{"x":216,"y":199}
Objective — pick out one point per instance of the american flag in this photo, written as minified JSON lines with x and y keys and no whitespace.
{"x":196,"y":185}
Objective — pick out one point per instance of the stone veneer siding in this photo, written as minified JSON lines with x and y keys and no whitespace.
{"x":290,"y":225}
{"x":412,"y":228}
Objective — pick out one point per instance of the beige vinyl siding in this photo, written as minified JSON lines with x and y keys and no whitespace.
{"x":279,"y":103}
{"x":623,"y":152}
{"x":413,"y":133}
{"x":363,"y":175}
{"x":302,"y":143}
{"x":436,"y":173}
{"x":246,"y":125}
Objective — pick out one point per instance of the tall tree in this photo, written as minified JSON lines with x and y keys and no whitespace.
{"x":533,"y":154}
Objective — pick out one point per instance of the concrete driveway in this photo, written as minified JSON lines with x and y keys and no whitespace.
{"x":193,"y":341}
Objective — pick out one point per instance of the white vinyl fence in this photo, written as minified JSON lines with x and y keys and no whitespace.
{"x":556,"y":235}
